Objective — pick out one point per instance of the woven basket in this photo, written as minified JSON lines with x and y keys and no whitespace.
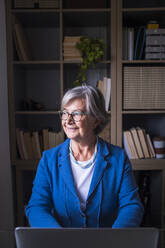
{"x":31,"y":4}
{"x":144,"y":87}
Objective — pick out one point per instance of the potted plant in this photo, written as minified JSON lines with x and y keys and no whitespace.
{"x":92,"y":50}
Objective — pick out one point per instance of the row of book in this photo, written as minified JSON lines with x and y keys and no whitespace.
{"x":70,"y":51}
{"x":31,"y":144}
{"x":138,"y":144}
{"x":134,"y":43}
{"x":105,"y":87}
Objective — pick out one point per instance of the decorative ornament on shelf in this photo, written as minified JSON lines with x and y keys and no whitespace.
{"x":29,"y":104}
{"x":92,"y":51}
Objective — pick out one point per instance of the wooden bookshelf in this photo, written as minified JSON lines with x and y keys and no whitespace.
{"x":48,"y":76}
{"x":48,"y":72}
{"x":136,"y":14}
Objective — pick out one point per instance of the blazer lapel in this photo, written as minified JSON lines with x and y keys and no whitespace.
{"x":100,"y":166}
{"x":65,"y":168}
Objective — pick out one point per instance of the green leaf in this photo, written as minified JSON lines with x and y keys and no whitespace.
{"x":92,"y":50}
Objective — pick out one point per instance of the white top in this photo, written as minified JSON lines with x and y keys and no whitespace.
{"x":83,"y":176}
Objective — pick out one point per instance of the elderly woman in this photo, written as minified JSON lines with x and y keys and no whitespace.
{"x":85,"y":181}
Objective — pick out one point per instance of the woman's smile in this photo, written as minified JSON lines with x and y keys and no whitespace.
{"x":71,"y":128}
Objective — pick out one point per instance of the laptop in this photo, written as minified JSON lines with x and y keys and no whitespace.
{"x":27,"y":237}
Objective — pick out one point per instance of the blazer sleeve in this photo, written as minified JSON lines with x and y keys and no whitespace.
{"x":130,"y":208}
{"x":39,"y":208}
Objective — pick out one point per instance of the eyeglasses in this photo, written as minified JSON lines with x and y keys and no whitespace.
{"x":76,"y":115}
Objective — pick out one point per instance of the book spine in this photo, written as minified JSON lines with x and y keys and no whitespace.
{"x":130,"y":43}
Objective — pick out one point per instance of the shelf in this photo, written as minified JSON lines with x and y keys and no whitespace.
{"x":50,"y":63}
{"x":75,"y":62}
{"x":143,"y":61}
{"x":143,"y":112}
{"x":39,"y":62}
{"x":143,"y":9}
{"x":137,"y":164}
{"x":25,"y":164}
{"x":35,"y":11}
{"x":86,"y":10}
{"x":40,"y":11}
{"x":46,"y":112}
{"x":148,"y":164}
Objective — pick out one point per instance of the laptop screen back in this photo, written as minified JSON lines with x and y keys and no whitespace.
{"x":86,"y":237}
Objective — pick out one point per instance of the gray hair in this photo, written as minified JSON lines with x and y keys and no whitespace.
{"x":94,"y":100}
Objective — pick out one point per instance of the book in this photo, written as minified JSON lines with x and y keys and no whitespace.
{"x":36,"y":145}
{"x":140,"y":38}
{"x":108,"y":94}
{"x":137,"y":142}
{"x":18,"y":50}
{"x":21,"y":42}
{"x":28,"y":145}
{"x":72,"y":52}
{"x":72,"y":38}
{"x":52,"y":139}
{"x":142,"y":137}
{"x":100,"y":86}
{"x":129,"y":145}
{"x":125,"y":43}
{"x":21,"y":134}
{"x":19,"y":143}
{"x":150,"y":145}
{"x":48,"y":4}
{"x":59,"y":137}
{"x":61,"y":134}
{"x":104,"y":87}
{"x":45,"y":136}
{"x":130,"y":43}
{"x":41,"y":141}
{"x":69,"y":58}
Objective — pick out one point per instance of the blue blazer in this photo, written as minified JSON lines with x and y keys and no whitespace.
{"x":113,"y":199}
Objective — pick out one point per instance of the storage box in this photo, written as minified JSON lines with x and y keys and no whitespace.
{"x":144,"y":88}
{"x":37,"y":4}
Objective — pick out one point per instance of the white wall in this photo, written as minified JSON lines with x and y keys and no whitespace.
{"x":6,"y":203}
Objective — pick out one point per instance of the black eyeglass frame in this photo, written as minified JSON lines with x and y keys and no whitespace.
{"x":72,"y":114}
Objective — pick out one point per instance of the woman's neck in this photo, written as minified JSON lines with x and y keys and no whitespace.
{"x":83,"y":151}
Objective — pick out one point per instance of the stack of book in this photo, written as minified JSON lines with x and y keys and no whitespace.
{"x":70,"y":52}
{"x":31,"y":144}
{"x":105,"y":87}
{"x":138,"y":144}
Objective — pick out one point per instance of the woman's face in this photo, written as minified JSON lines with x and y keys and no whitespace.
{"x":79,"y":130}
